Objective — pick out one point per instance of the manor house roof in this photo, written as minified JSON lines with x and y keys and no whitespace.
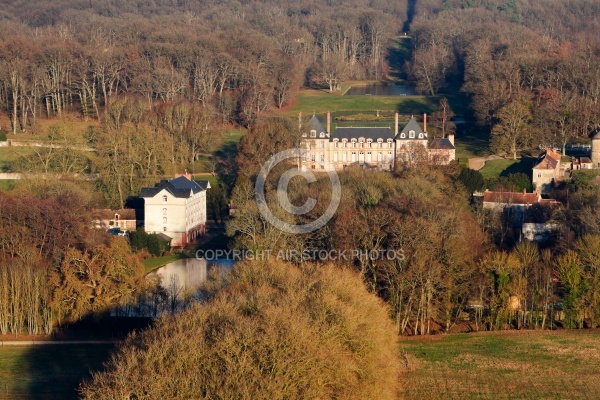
{"x":441,"y":144}
{"x":181,"y":187}
{"x":372,"y":133}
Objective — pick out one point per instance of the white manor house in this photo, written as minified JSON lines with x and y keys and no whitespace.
{"x":176,"y":209}
{"x":376,"y":147}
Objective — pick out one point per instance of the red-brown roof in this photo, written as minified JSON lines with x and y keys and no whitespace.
{"x":108,"y":214}
{"x":549,"y":160}
{"x":511,"y":197}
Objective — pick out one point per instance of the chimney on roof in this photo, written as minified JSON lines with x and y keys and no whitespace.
{"x":524,"y":191}
{"x":451,"y":138}
{"x":396,"y":125}
{"x":328,"y":122}
{"x":424,"y":122}
{"x":186,"y":174}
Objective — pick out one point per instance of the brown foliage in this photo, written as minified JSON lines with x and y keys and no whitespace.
{"x":273,"y":331}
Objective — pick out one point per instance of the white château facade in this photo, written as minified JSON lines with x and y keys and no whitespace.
{"x":176,"y":209}
{"x":376,"y":147}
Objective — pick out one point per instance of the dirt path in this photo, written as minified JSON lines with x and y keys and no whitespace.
{"x":477,"y":163}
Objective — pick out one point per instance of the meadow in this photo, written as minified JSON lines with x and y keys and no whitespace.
{"x":320,"y":101}
{"x":503,"y":365}
{"x":50,"y":371}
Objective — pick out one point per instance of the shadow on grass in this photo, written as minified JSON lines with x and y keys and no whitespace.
{"x":415,"y":106}
{"x":398,"y":54}
{"x":55,"y":371}
{"x":473,"y":139}
{"x":524,"y":166}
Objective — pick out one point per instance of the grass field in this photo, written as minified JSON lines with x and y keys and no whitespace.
{"x":469,"y":146}
{"x":9,"y":155}
{"x":7,"y":184}
{"x":48,"y":372}
{"x":503,"y":167}
{"x":489,"y":365}
{"x":503,"y":365}
{"x":320,"y":101}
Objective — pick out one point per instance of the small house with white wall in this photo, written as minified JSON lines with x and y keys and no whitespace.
{"x":176,"y":209}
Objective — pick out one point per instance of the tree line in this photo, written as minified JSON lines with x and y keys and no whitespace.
{"x":237,"y":59}
{"x":530,"y":68}
{"x":54,"y":267}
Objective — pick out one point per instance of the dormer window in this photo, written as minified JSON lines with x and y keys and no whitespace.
{"x":389,"y":142}
{"x":335,"y":143}
{"x":421,"y":135}
{"x":411,"y":134}
{"x":403,"y":135}
{"x":322,"y":134}
{"x":313,"y":133}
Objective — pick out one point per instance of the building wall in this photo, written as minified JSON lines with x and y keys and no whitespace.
{"x":167,"y":216}
{"x":542,"y":179}
{"x":180,"y":218}
{"x":442,"y":156}
{"x":596,"y":153}
{"x":319,"y":154}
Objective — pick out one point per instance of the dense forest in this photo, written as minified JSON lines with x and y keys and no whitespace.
{"x":237,"y":59}
{"x":531,"y":68}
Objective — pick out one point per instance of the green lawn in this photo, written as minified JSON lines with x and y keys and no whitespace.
{"x":494,"y":168}
{"x":7,"y":184}
{"x":48,"y":372}
{"x":504,"y":167}
{"x":320,"y":101}
{"x":503,"y":365}
{"x":9,"y":155}
{"x":153,"y":263}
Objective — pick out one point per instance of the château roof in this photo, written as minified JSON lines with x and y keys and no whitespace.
{"x":180,"y":187}
{"x":412,"y":125}
{"x":372,"y":133}
{"x":316,"y":124}
{"x":441,"y":144}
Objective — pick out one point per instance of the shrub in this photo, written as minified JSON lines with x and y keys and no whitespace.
{"x":140,"y":240}
{"x":473,"y":180}
{"x":270,"y":331}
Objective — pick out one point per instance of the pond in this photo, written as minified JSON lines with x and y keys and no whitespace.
{"x":378,"y":89}
{"x":179,"y":285}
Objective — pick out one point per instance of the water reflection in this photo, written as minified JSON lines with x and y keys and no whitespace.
{"x":178,"y":284}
